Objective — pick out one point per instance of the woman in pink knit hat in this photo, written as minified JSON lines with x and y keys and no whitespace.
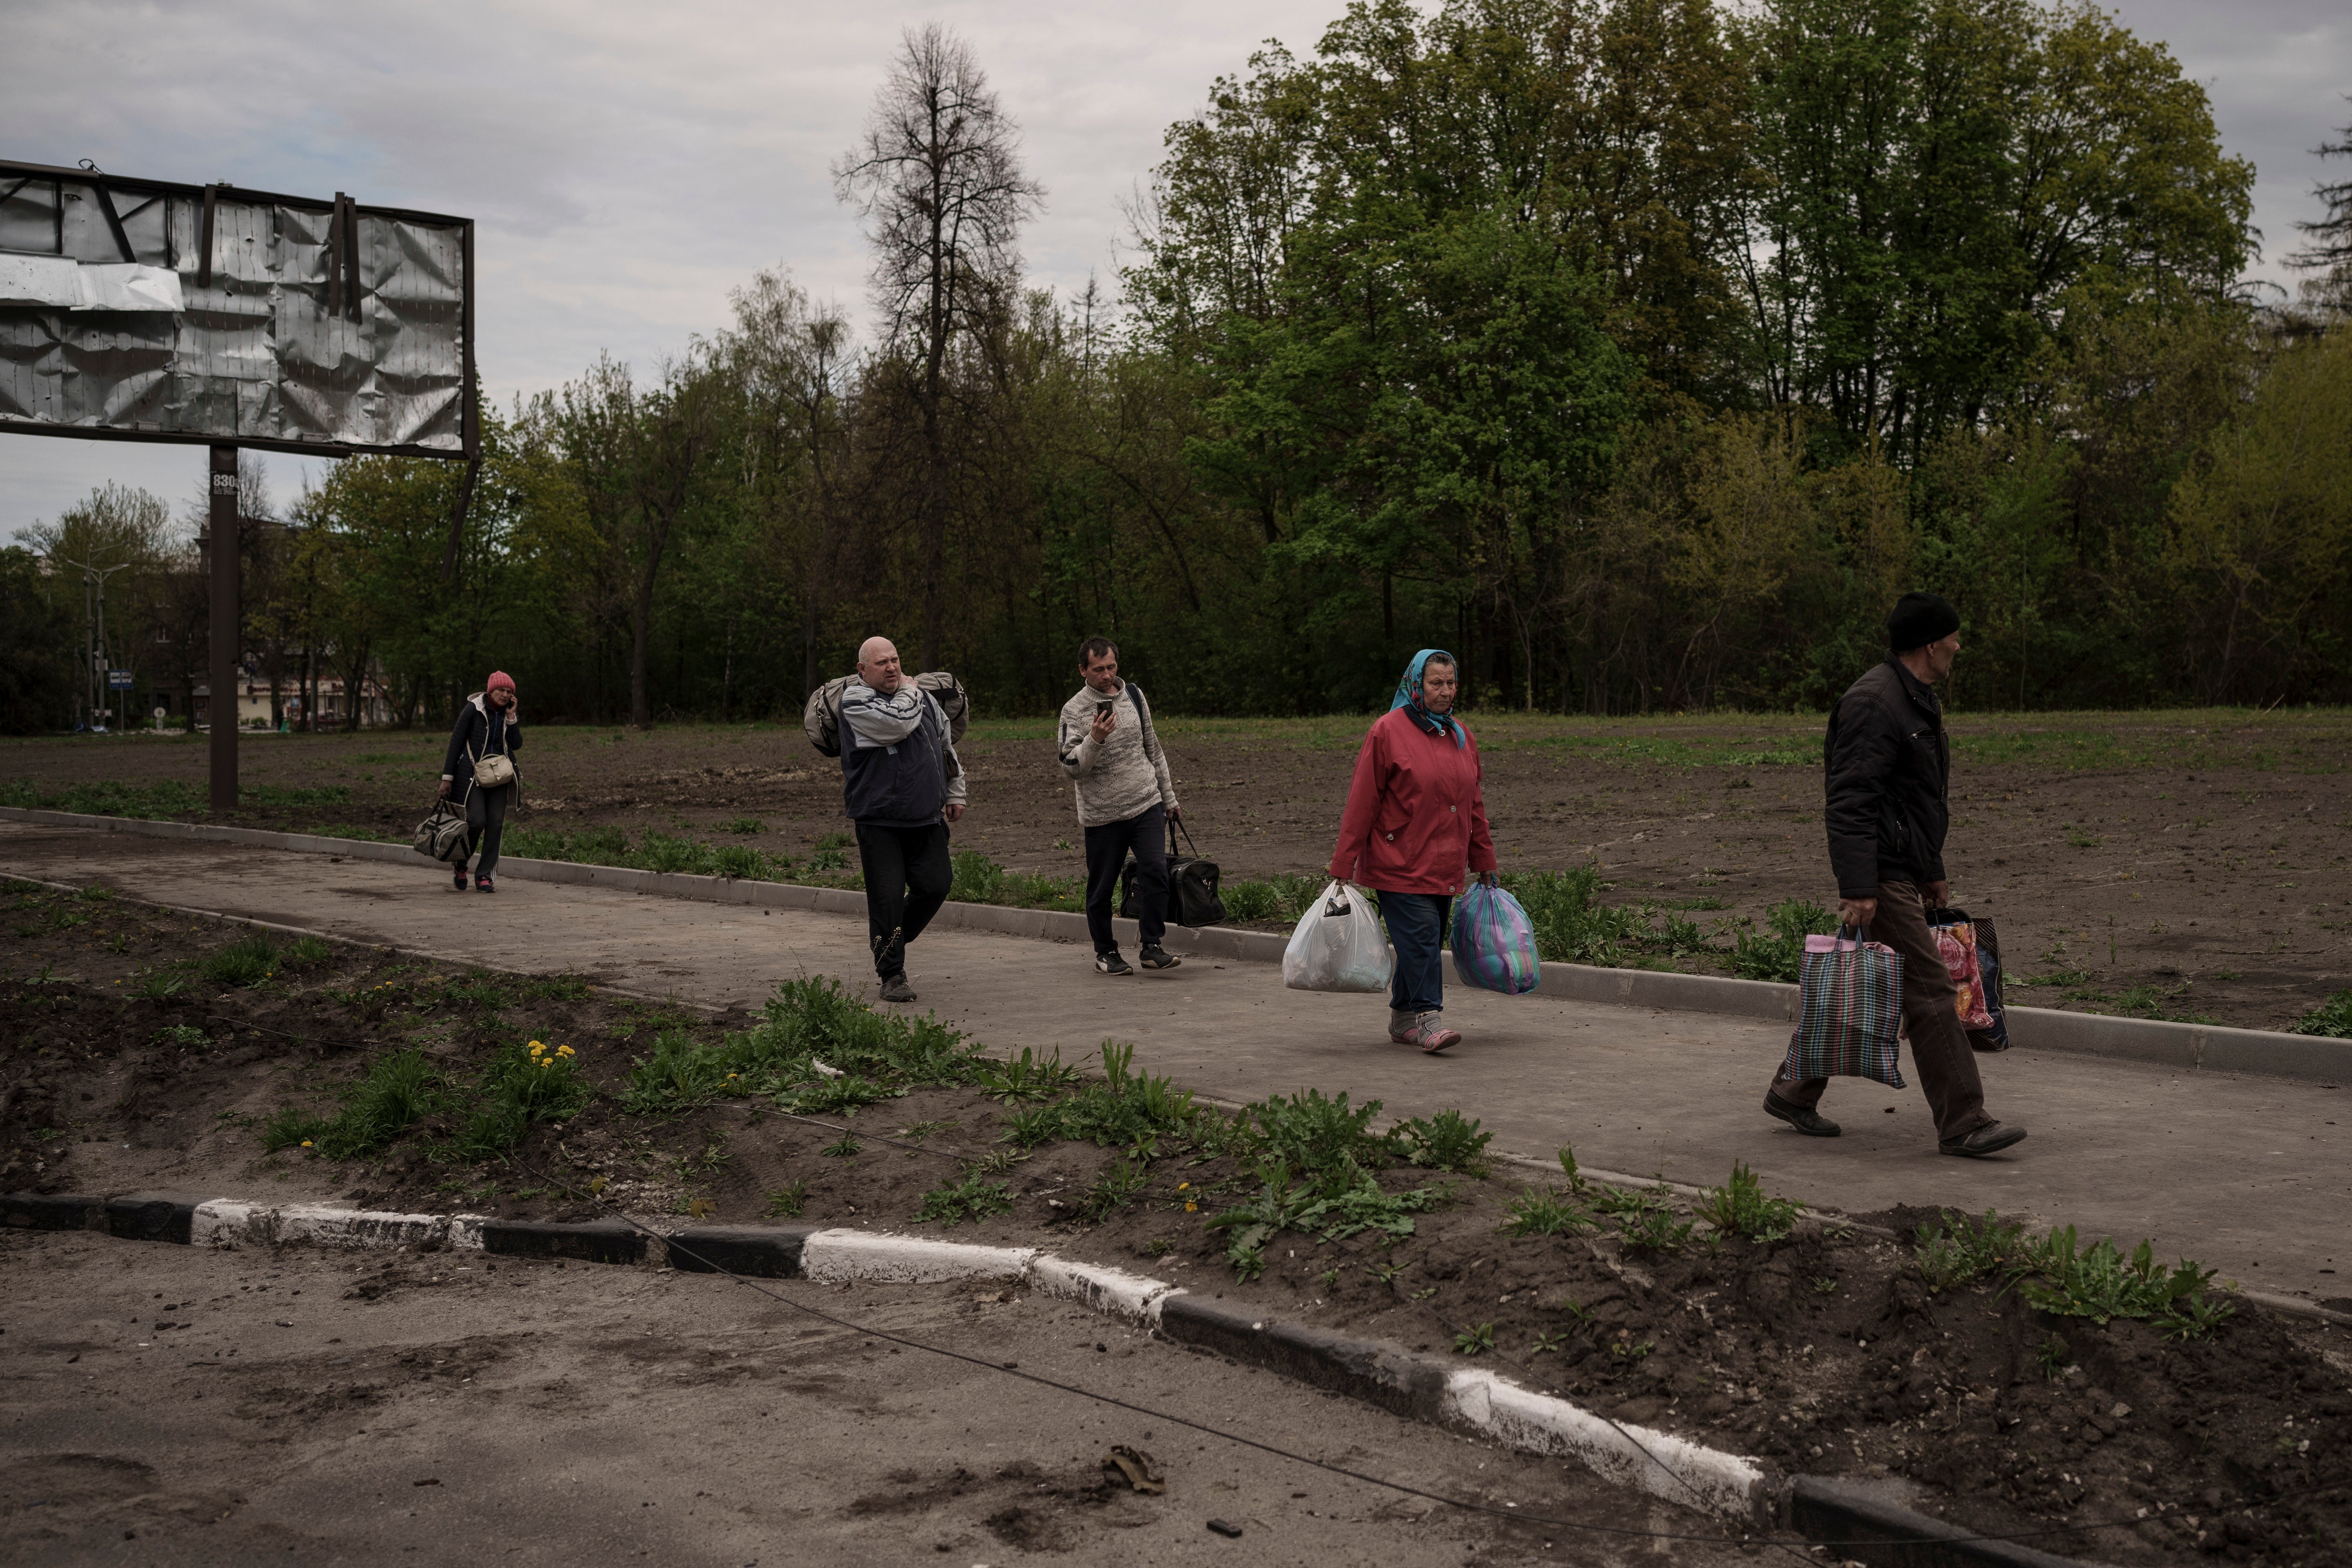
{"x":489,"y":726}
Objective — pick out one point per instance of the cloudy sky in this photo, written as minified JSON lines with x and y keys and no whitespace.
{"x":630,"y":164}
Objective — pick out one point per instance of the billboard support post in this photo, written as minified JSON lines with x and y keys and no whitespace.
{"x":225,"y":618}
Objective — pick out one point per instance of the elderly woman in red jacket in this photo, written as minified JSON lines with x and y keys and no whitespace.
{"x":1416,"y":816}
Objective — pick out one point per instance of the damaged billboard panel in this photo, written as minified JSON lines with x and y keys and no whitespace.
{"x":140,"y":310}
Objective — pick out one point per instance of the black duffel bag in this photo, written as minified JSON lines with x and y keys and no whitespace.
{"x":1192,"y":897}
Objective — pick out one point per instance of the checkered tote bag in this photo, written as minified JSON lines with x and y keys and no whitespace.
{"x":1849,"y":1012}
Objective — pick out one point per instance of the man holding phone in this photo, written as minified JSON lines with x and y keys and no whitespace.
{"x":1125,"y":801}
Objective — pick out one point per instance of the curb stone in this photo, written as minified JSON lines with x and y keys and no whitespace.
{"x":1410,"y":1384}
{"x":2186,"y":1048}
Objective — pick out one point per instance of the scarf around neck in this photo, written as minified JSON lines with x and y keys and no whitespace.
{"x":1408,"y":697}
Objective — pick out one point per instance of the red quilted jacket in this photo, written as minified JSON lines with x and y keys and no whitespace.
{"x":1415,"y":813}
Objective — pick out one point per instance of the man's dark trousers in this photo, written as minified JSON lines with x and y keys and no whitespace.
{"x":1939,"y":1047}
{"x":1146,"y":834}
{"x":906,"y":878}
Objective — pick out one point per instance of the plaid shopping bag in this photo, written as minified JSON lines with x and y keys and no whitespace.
{"x":1850,"y":1007}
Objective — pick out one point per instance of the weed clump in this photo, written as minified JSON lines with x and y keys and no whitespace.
{"x":974,"y":1197}
{"x":241,"y":964}
{"x":1445,"y":1143}
{"x":1740,"y":1209}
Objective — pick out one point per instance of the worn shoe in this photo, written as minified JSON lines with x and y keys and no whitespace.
{"x":1158,"y":957}
{"x":461,"y":878}
{"x":1426,"y":1030}
{"x":1990,"y":1139}
{"x":1803,"y":1118}
{"x":896,"y":989}
{"x":1112,"y":963}
{"x":484,"y":885}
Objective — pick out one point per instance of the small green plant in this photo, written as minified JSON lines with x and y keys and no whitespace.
{"x":973,"y":1198}
{"x":307,"y":951}
{"x":1545,"y":1213}
{"x":1824,"y":1286}
{"x":1116,"y":1188}
{"x":1550,"y":1344}
{"x":120,"y":941}
{"x":1317,"y":1138}
{"x":2100,"y":1282}
{"x":1626,"y":1349}
{"x":1656,"y":1231}
{"x":1476,"y":1339}
{"x":1627,"y":1201}
{"x":1445,"y":1143}
{"x":1778,"y":953}
{"x":524,"y":1084}
{"x":842,"y":1095}
{"x":557,"y":988}
{"x":292,"y":1129}
{"x":1567,"y":1168}
{"x":2332,"y":1017}
{"x":1959,"y":1250}
{"x":740,"y":861}
{"x":1334,"y":1212}
{"x":787,"y":1201}
{"x":1031,"y":1126}
{"x":1328,"y":1277}
{"x":923,"y":1130}
{"x":1578,"y":1312}
{"x":1740,"y":1207}
{"x":396,"y":1092}
{"x":847,"y":1147}
{"x":1026,"y":1076}
{"x":181,"y":1035}
{"x":246,"y":962}
{"x":2051,"y":1358}
{"x":743,"y":825}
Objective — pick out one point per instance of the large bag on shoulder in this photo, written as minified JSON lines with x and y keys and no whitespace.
{"x":1849,"y":1008}
{"x":821,"y":715}
{"x":442,"y":835}
{"x":1193,"y":897}
{"x":1338,"y":945}
{"x":1494,"y":942}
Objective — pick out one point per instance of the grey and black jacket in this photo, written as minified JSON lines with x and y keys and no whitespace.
{"x":480,"y":731}
{"x":1888,"y":768}
{"x":899,"y":764}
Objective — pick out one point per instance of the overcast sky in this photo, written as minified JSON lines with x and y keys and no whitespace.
{"x":630,"y":164}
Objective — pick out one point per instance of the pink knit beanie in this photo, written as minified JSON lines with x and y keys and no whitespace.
{"x":499,"y":678}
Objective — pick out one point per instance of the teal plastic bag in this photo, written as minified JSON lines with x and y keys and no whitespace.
{"x":1494,"y":942}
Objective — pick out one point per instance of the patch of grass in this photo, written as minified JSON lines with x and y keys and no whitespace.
{"x":805,"y":1022}
{"x":1476,"y":1339}
{"x":1571,"y":925}
{"x":842,"y":1095}
{"x":1740,"y":1207}
{"x":2100,"y":1282}
{"x":1026,"y":1076}
{"x":395,"y":1093}
{"x":308,"y":950}
{"x":290,"y":796}
{"x":1778,"y":952}
{"x":847,"y":1147}
{"x":557,"y":988}
{"x":181,"y":1035}
{"x":1116,"y":1188}
{"x":247,"y":962}
{"x":1959,"y":1250}
{"x":981,"y":880}
{"x":1445,"y":1143}
{"x":157,"y":986}
{"x":1317,"y":1138}
{"x":787,"y":1201}
{"x":1657,"y":1230}
{"x":168,"y":799}
{"x":742,"y":824}
{"x":2332,"y":1017}
{"x":973,"y":1197}
{"x":1333,"y":1211}
{"x":523,"y":1085}
{"x":1546,"y":1212}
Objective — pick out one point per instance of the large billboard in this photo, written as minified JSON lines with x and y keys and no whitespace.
{"x":145,"y":311}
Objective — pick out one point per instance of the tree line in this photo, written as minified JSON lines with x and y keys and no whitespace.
{"x":1640,"y":351}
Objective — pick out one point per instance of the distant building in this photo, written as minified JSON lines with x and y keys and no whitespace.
{"x":253,"y":704}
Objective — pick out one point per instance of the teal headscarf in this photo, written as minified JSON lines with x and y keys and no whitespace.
{"x":1408,"y":696}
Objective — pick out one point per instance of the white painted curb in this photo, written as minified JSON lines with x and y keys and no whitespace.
{"x":840,"y":1257}
{"x":228,"y":1220}
{"x":1666,"y":1467}
{"x":1111,"y":1291}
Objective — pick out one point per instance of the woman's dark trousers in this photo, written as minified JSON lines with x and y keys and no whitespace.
{"x":906,"y":878}
{"x":1416,"y":923}
{"x":1146,"y":833}
{"x":486,"y":823}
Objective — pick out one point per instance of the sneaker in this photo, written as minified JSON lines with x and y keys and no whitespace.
{"x":896,"y":989}
{"x":484,"y":885}
{"x":1990,"y":1139}
{"x":1426,"y":1030}
{"x":461,"y":878}
{"x":1155,"y":956}
{"x":1803,"y":1118}
{"x":1112,"y":963}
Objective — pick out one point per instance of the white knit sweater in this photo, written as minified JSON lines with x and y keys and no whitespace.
{"x":1121,"y":777}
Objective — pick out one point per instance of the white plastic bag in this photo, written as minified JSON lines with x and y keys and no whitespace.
{"x":1337,"y":944}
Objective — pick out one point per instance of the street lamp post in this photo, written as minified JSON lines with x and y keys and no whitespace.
{"x":93,"y":597}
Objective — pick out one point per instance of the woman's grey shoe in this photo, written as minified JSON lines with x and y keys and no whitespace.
{"x":896,"y":989}
{"x":1112,"y":963}
{"x":1157,"y":957}
{"x":1803,"y":1118}
{"x":1990,"y":1139}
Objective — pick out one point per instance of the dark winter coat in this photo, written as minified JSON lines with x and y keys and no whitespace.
{"x":480,"y":730}
{"x":1889,"y":767}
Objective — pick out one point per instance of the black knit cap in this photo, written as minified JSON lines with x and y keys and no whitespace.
{"x":1921,"y":619}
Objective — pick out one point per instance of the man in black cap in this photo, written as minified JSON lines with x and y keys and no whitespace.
{"x":1889,"y":770}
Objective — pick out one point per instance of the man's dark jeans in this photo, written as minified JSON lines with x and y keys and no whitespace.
{"x":906,"y":878}
{"x":1939,"y":1045}
{"x":1416,"y":923}
{"x":1146,"y":834}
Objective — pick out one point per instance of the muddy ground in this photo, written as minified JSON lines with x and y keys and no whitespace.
{"x":2172,"y":865}
{"x":1823,"y":1350}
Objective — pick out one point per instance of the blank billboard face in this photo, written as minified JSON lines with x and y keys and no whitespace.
{"x":303,"y":325}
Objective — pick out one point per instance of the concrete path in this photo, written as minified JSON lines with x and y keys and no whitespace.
{"x":2249,"y":1175}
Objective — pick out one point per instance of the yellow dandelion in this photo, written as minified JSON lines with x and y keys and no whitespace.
{"x":1191,"y":1208}
{"x":1182,"y":1185}
{"x":306,"y":1142}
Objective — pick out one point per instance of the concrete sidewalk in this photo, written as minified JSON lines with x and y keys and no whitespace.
{"x":2246,"y":1173}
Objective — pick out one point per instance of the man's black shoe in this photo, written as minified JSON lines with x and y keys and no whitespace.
{"x":1155,"y":956}
{"x":1112,"y":963}
{"x":896,"y":989}
{"x":1990,"y":1139}
{"x":1803,"y":1118}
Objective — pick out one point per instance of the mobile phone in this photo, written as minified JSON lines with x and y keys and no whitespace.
{"x":1107,"y":705}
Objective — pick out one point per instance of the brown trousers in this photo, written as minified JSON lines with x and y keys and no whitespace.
{"x":1946,"y":1063}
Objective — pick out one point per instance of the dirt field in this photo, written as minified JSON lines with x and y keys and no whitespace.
{"x":2177,"y":865}
{"x":1824,"y":1348}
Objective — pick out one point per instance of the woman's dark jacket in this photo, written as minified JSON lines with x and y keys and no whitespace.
{"x":480,"y":730}
{"x":1889,"y":768}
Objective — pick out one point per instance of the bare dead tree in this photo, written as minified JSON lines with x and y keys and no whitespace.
{"x":937,"y":179}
